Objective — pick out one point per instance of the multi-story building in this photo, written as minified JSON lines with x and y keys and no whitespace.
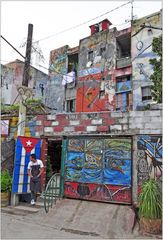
{"x":143,"y":32}
{"x":98,"y":138}
{"x":104,"y":72}
{"x":102,"y":65}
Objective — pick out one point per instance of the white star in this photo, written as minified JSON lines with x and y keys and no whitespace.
{"x":29,"y":143}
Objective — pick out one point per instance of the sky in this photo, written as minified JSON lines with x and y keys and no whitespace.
{"x":52,"y":17}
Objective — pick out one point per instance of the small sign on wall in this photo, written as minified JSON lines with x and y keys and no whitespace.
{"x":4,"y":127}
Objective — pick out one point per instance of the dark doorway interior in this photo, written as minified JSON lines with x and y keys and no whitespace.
{"x":54,"y":155}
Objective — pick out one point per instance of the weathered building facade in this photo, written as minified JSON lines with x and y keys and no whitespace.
{"x":7,"y":76}
{"x":63,"y":61}
{"x":12,"y":75}
{"x":143,"y":32}
{"x":103,"y":145}
{"x":104,"y":70}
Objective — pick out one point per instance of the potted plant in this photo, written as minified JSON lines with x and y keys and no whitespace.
{"x":150,"y":207}
{"x":6,"y":184}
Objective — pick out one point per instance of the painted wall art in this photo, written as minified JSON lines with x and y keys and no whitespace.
{"x":149,"y":155}
{"x":98,"y":169}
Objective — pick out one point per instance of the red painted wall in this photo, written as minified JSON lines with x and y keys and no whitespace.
{"x":97,"y":192}
{"x":91,"y":84}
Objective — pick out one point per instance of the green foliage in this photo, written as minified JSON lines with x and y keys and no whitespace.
{"x":156,"y":77}
{"x":9,"y":107}
{"x":150,"y":200}
{"x":147,"y":107}
{"x":34,"y":101}
{"x":49,"y":171}
{"x":6,"y":181}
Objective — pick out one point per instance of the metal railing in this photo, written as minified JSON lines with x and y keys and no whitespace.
{"x":52,"y":192}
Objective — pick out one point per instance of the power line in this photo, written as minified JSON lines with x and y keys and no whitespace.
{"x":12,"y":46}
{"x":76,"y":26}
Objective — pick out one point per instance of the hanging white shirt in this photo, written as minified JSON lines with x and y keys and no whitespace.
{"x":68,"y":78}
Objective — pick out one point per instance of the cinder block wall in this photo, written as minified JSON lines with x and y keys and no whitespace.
{"x":140,"y":125}
{"x":121,"y":123}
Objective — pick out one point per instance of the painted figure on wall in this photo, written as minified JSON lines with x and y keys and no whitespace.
{"x":149,"y":158}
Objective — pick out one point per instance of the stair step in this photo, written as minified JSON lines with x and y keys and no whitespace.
{"x":21,"y":210}
{"x":39,"y":204}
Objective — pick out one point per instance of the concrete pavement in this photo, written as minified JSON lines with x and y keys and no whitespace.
{"x":71,"y":219}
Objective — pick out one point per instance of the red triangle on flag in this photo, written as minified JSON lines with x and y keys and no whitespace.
{"x":28,"y":143}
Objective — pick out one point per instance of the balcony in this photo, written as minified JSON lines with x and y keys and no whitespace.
{"x":123,"y":62}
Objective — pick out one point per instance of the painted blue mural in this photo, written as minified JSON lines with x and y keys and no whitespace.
{"x":149,"y":158}
{"x":105,"y":161}
{"x":123,"y":86}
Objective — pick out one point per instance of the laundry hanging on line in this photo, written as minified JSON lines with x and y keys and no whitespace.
{"x":68,"y":78}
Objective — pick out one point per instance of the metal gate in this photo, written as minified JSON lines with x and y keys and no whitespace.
{"x":98,"y":169}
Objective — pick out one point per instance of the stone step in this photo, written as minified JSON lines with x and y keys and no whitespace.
{"x":29,"y":209}
{"x":39,"y":204}
{"x":19,"y":210}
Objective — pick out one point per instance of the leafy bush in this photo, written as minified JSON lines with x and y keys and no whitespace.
{"x":150,"y":205}
{"x":6,"y":181}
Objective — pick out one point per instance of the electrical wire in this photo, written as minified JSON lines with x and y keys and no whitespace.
{"x":79,"y":25}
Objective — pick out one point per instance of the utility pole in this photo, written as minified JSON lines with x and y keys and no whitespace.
{"x":24,"y":93}
{"x":23,"y":90}
{"x":132,"y":13}
{"x":28,"y":56}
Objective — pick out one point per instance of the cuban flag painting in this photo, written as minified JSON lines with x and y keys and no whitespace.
{"x":25,"y":146}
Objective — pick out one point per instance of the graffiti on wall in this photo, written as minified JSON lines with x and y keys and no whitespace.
{"x":123,"y":86}
{"x":98,"y":192}
{"x":96,"y":94}
{"x":58,"y":61}
{"x":13,"y":127}
{"x":7,"y":77}
{"x":142,"y":53}
{"x":12,"y":76}
{"x":100,"y":167}
{"x":58,"y":66}
{"x":41,"y":89}
{"x":96,"y":63}
{"x":149,"y":155}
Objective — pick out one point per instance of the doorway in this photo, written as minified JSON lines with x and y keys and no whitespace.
{"x":54,"y":155}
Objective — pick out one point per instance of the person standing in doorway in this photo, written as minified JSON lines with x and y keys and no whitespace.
{"x":35,"y":169}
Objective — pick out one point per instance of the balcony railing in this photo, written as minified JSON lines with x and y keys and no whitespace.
{"x":123,"y":62}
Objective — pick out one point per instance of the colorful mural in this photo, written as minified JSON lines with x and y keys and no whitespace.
{"x":13,"y":127}
{"x":96,"y":85}
{"x":98,"y":192}
{"x":149,"y":154}
{"x":142,"y":38}
{"x":104,"y":165}
{"x":13,"y":75}
{"x":123,"y":86}
{"x":58,"y":67}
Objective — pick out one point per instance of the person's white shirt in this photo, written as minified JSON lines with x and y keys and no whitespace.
{"x":38,"y":162}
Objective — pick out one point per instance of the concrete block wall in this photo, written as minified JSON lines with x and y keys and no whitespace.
{"x":121,"y":123}
{"x":136,"y":123}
